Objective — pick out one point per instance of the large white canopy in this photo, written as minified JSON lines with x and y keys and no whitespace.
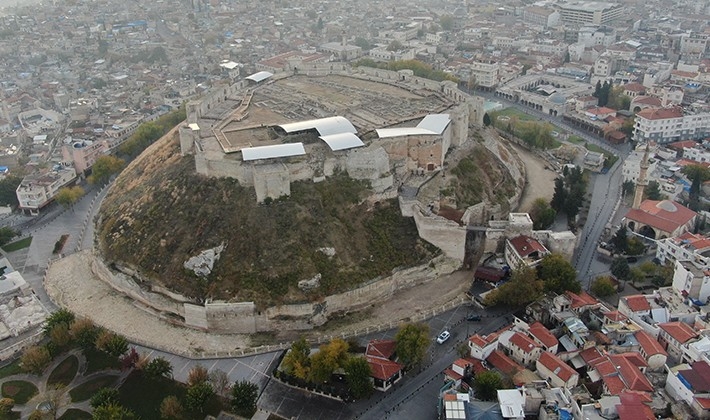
{"x":273,"y":151}
{"x":342,"y":141}
{"x":259,"y":76}
{"x":433,"y":124}
{"x":324,"y":126}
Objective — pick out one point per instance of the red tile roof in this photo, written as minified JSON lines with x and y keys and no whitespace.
{"x":525,"y":245}
{"x":590,"y":354}
{"x":660,"y":114}
{"x":556,"y":366}
{"x":626,"y":365}
{"x":543,"y":335}
{"x":698,"y":377}
{"x":635,"y":412}
{"x":615,"y":316}
{"x":637,"y":303}
{"x":635,"y":87}
{"x":647,"y":100}
{"x":680,"y":145}
{"x":503,"y":363}
{"x":523,"y":342}
{"x":383,"y":369}
{"x":614,"y":384}
{"x":657,"y":215}
{"x":381,"y":348}
{"x":478,"y":340}
{"x":581,"y":299}
{"x":703,"y":402}
{"x":450,"y":373}
{"x":650,"y":345}
{"x":680,"y":331}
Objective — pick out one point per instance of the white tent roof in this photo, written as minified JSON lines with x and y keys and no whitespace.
{"x":384,"y":133}
{"x":432,"y":124}
{"x":258,"y":77}
{"x":342,"y":141}
{"x":325,"y":126}
{"x":435,"y":122}
{"x":274,"y":151}
{"x":229,"y":65}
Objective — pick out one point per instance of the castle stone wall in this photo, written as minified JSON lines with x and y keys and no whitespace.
{"x":271,"y":181}
{"x":448,"y":236}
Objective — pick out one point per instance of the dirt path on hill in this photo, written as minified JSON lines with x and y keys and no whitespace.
{"x":540,"y":181}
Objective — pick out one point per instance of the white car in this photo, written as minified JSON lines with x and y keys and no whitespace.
{"x":443,"y":337}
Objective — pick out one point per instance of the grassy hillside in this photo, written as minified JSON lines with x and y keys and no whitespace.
{"x":160,"y":213}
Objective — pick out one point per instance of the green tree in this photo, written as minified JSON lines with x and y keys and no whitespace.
{"x":104,"y":396}
{"x":558,"y":275}
{"x":68,"y":196}
{"x":104,"y":168}
{"x":61,"y":316}
{"x":394,"y":46}
{"x":84,"y":332}
{"x":447,"y":22}
{"x":111,"y":343}
{"x":636,"y":275}
{"x":542,"y":214}
{"x":244,"y":395}
{"x":602,"y":287}
{"x":486,"y":120}
{"x":617,"y":98}
{"x":198,"y":396}
{"x":159,"y":367}
{"x":6,"y":235}
{"x":698,"y":175}
{"x":653,"y":191}
{"x":523,"y":287}
{"x":635,"y":246}
{"x":412,"y":340}
{"x":171,"y":408}
{"x":620,"y":240}
{"x":575,"y":198}
{"x":486,"y":384}
{"x":358,"y":372}
{"x":620,"y":268}
{"x":112,"y":412}
{"x":560,"y":195}
{"x":363,"y":43}
{"x":296,"y":361}
{"x":330,"y":357}
{"x":35,"y":359}
{"x":627,"y":188}
{"x":627,"y":127}
{"x":8,"y":188}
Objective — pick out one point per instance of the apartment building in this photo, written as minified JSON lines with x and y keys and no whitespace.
{"x":667,"y":125}
{"x":590,"y":12}
{"x":37,"y":190}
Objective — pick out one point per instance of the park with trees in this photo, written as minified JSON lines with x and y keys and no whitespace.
{"x":79,"y":363}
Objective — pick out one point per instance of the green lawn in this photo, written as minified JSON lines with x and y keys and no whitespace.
{"x":144,"y":395}
{"x":513,"y":112}
{"x":75,"y":414}
{"x":575,"y":139}
{"x":65,"y":372}
{"x":20,"y":391}
{"x":97,"y":360}
{"x":11,"y":369}
{"x":84,"y":391}
{"x":17,"y":245}
{"x":13,"y":415}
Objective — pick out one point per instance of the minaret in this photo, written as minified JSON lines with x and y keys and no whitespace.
{"x":641,"y":182}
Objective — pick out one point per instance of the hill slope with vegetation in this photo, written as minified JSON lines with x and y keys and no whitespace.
{"x":159,"y":213}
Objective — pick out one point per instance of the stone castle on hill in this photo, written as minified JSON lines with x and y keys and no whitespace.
{"x":387,"y":127}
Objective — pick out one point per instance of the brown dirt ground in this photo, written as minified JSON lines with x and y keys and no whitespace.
{"x":540,"y":181}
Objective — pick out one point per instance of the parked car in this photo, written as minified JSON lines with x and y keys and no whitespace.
{"x":473,"y":317}
{"x":443,"y":337}
{"x":631,"y":259}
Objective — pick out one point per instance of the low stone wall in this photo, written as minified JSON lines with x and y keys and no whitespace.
{"x":244,"y":317}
